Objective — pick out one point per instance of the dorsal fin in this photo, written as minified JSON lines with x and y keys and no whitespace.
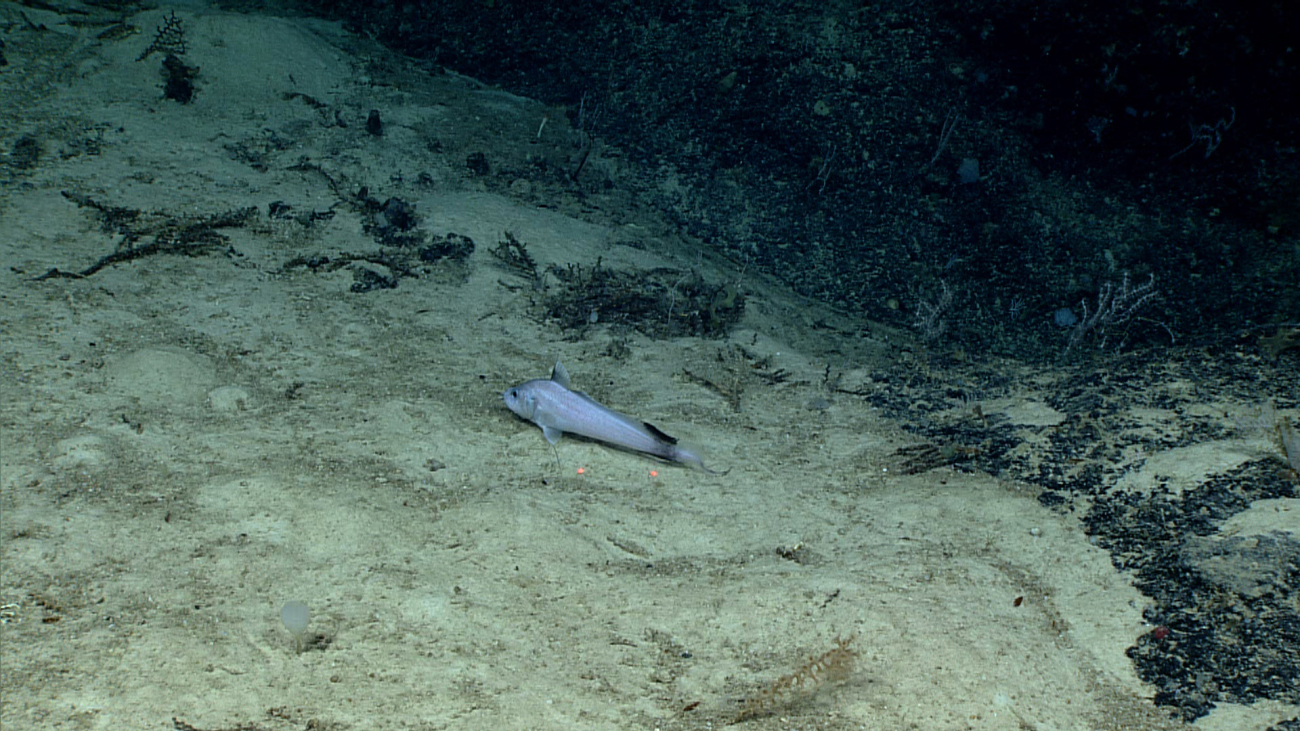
{"x":559,"y":375}
{"x":658,"y":434}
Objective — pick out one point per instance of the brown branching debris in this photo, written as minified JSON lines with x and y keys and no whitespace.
{"x":918,"y":458}
{"x":513,"y":255}
{"x":659,"y":303}
{"x":169,"y":39}
{"x":161,"y":233}
{"x":831,"y":667}
{"x":736,"y":370}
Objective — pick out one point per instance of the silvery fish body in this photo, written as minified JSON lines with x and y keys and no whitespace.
{"x":557,"y":409}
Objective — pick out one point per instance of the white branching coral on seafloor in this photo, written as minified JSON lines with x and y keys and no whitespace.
{"x":1115,"y":305}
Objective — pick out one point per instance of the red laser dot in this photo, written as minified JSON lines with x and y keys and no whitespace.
{"x":1160,"y":633}
{"x":654,"y":473}
{"x":582,"y":470}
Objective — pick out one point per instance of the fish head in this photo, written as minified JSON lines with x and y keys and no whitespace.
{"x":522,"y":400}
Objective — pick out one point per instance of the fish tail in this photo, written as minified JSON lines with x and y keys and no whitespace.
{"x":682,"y":455}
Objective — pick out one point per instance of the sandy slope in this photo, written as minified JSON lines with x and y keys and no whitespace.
{"x":189,"y":442}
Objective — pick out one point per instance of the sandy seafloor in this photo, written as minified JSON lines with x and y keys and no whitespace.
{"x":191,"y":441}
